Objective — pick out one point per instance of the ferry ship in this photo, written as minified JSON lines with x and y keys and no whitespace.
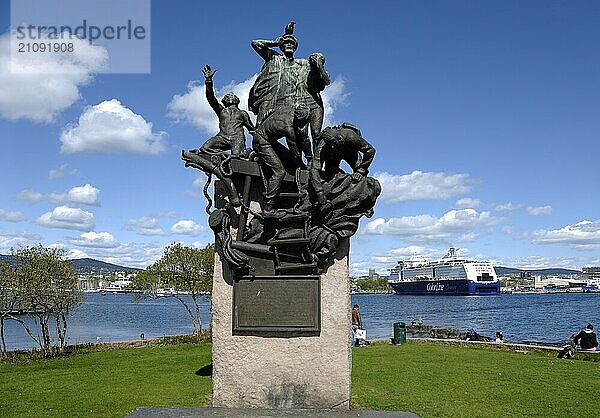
{"x":449,"y":276}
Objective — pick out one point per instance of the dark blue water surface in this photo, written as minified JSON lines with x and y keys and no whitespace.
{"x":116,"y":317}
{"x":549,"y":318}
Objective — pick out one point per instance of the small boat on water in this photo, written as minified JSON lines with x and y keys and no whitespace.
{"x":164,"y":292}
{"x":451,"y":275}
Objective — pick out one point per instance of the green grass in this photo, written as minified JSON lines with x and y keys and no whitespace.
{"x":428,"y":379}
{"x":434,"y":380}
{"x":106,"y":384}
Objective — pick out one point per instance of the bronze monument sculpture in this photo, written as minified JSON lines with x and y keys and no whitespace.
{"x":307,"y":205}
{"x":283,"y":214}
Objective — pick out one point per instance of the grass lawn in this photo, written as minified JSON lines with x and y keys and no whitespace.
{"x":428,"y":379}
{"x":434,"y":380}
{"x":106,"y":384}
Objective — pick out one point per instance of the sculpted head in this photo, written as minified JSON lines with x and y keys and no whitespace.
{"x":230,"y":99}
{"x":288,"y":46}
{"x":317,"y":57}
{"x":331,"y":136}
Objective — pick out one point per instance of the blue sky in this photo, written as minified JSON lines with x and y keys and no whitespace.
{"x":485,"y":117}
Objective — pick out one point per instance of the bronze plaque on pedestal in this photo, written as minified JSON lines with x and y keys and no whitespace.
{"x":276,"y":306}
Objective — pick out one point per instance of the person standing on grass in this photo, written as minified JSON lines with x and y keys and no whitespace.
{"x":587,"y":339}
{"x":356,"y":324}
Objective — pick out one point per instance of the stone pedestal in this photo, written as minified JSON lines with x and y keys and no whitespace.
{"x":293,"y":372}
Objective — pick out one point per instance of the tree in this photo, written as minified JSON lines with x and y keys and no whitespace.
{"x":46,"y":287}
{"x":8,"y":300}
{"x":369,"y":284}
{"x":181,"y":271}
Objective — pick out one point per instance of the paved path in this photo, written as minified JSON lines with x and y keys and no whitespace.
{"x":507,"y":345}
{"x":187,"y":412}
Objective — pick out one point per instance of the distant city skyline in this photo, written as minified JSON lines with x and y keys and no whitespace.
{"x":484,"y":116}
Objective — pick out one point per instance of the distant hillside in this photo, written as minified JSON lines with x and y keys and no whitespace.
{"x":506,"y":271}
{"x":85,"y":265}
{"x":89,"y":265}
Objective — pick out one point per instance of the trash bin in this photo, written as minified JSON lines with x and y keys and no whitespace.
{"x":399,"y":333}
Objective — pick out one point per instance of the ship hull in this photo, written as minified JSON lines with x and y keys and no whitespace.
{"x":455,"y":287}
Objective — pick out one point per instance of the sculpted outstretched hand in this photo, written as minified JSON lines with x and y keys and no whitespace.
{"x":208,"y":72}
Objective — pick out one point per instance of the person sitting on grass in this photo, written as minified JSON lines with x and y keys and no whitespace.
{"x":587,"y":339}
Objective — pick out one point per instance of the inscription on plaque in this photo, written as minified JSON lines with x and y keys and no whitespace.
{"x":287,"y":305}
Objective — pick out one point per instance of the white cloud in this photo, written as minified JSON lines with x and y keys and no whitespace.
{"x":128,"y":255}
{"x":359,"y":268}
{"x":381,"y":265}
{"x":133,"y":255}
{"x":187,"y":227}
{"x":386,"y":259}
{"x":67,"y":218}
{"x":14,"y":240}
{"x":30,"y":195}
{"x":413,"y":251}
{"x":11,"y":216}
{"x":39,"y":86}
{"x":95,"y":239}
{"x":419,"y":185}
{"x":145,"y":222}
{"x":146,"y":226}
{"x":8,"y":243}
{"x":467,"y":202}
{"x":111,"y":127}
{"x":507,"y":207}
{"x":62,"y":171}
{"x":539,"y":210}
{"x":198,"y":244}
{"x":453,"y":225}
{"x":71,"y":253}
{"x":192,"y":107}
{"x":584,"y":235}
{"x":334,"y":96}
{"x":76,"y":253}
{"x":80,"y":195}
{"x":85,"y":195}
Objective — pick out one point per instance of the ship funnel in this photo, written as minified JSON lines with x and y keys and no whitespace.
{"x":452,"y":253}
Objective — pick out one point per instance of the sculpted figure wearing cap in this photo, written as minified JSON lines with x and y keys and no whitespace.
{"x":286,"y":99}
{"x":288,"y":81}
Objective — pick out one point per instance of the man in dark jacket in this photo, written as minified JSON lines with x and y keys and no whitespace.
{"x":587,"y":339}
